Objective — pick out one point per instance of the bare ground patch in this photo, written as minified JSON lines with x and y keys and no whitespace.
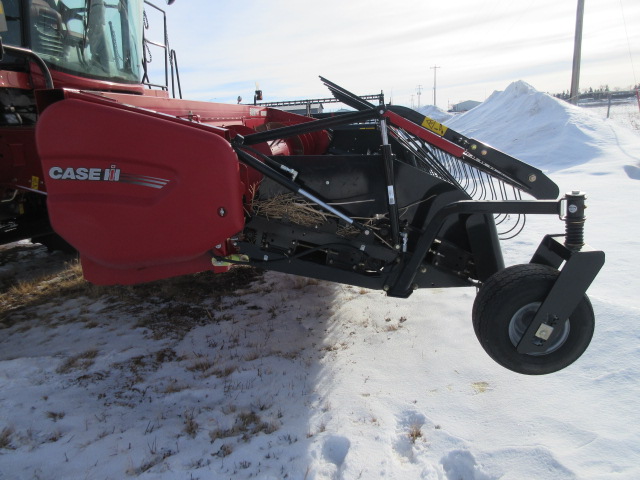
{"x":165,"y":307}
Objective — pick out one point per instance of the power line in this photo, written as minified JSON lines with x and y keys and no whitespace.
{"x":624,"y":21}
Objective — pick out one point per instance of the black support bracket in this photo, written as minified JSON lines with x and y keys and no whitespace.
{"x":402,"y":285}
{"x":579,"y":270}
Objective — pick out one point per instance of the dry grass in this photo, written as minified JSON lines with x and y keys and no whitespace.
{"x":295,"y":209}
{"x":148,"y":464}
{"x":245,"y":426}
{"x":175,"y":300}
{"x":174,"y":387}
{"x":191,"y":427}
{"x":44,"y":289}
{"x":5,"y":437}
{"x":415,"y":432}
{"x":392,"y":327}
{"x":291,"y":207}
{"x":133,"y":370}
{"x":55,"y":416}
{"x":54,"y":436}
{"x":225,"y":450}
{"x":81,"y":361}
{"x":201,"y":364}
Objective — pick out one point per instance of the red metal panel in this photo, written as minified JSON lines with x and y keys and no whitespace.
{"x":216,"y":114}
{"x":139,"y":195}
{"x":20,"y":166}
{"x":9,"y":79}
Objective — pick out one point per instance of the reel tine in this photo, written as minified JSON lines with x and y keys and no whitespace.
{"x":479,"y":181}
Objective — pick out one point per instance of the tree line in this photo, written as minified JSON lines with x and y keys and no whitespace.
{"x":601,"y":93}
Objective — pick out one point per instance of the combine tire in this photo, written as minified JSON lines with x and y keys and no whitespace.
{"x":54,"y":242}
{"x":505,"y":307}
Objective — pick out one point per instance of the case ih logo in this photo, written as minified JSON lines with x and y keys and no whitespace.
{"x":112,"y":174}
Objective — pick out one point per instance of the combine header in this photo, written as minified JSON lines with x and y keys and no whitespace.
{"x":147,"y":187}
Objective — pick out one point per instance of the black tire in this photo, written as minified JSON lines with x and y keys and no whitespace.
{"x":54,"y":242}
{"x":504,"y":308}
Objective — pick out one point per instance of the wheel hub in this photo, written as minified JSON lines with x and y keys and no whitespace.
{"x":521,"y":321}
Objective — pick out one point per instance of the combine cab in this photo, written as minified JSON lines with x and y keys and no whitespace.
{"x":146,"y":187}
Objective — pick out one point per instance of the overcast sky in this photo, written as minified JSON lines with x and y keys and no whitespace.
{"x":225,"y":47}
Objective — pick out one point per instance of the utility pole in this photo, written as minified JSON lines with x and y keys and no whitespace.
{"x":434,"y":68}
{"x":419,"y":92}
{"x":577,"y":48}
{"x":412,"y":100}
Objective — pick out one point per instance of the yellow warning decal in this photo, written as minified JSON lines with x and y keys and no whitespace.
{"x":35,"y":182}
{"x":435,"y":127}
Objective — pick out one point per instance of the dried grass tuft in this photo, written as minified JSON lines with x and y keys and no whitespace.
{"x":291,"y":207}
{"x":81,"y":361}
{"x":5,"y":437}
{"x":415,"y":432}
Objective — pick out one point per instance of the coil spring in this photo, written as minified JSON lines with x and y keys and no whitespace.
{"x":574,"y":234}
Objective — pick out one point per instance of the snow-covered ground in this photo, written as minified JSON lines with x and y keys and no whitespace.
{"x":625,"y":113}
{"x":298,"y":379}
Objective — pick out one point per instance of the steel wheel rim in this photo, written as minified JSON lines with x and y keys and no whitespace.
{"x":521,"y":321}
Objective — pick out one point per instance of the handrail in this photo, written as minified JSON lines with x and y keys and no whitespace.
{"x":48,"y":80}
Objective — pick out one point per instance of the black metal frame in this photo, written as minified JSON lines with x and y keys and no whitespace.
{"x":404,"y":283}
{"x":578,"y":272}
{"x":419,"y":265}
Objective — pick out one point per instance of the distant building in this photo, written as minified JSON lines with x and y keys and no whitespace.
{"x":464,"y":106}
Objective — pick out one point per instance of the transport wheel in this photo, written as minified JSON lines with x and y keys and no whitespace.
{"x":505,"y":307}
{"x":54,"y":242}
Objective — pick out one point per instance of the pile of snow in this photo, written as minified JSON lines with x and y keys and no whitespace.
{"x":540,"y":129}
{"x":309,"y":380}
{"x":436,"y":113}
{"x":579,"y":150}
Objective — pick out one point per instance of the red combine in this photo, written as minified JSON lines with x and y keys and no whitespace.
{"x":146,"y":186}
